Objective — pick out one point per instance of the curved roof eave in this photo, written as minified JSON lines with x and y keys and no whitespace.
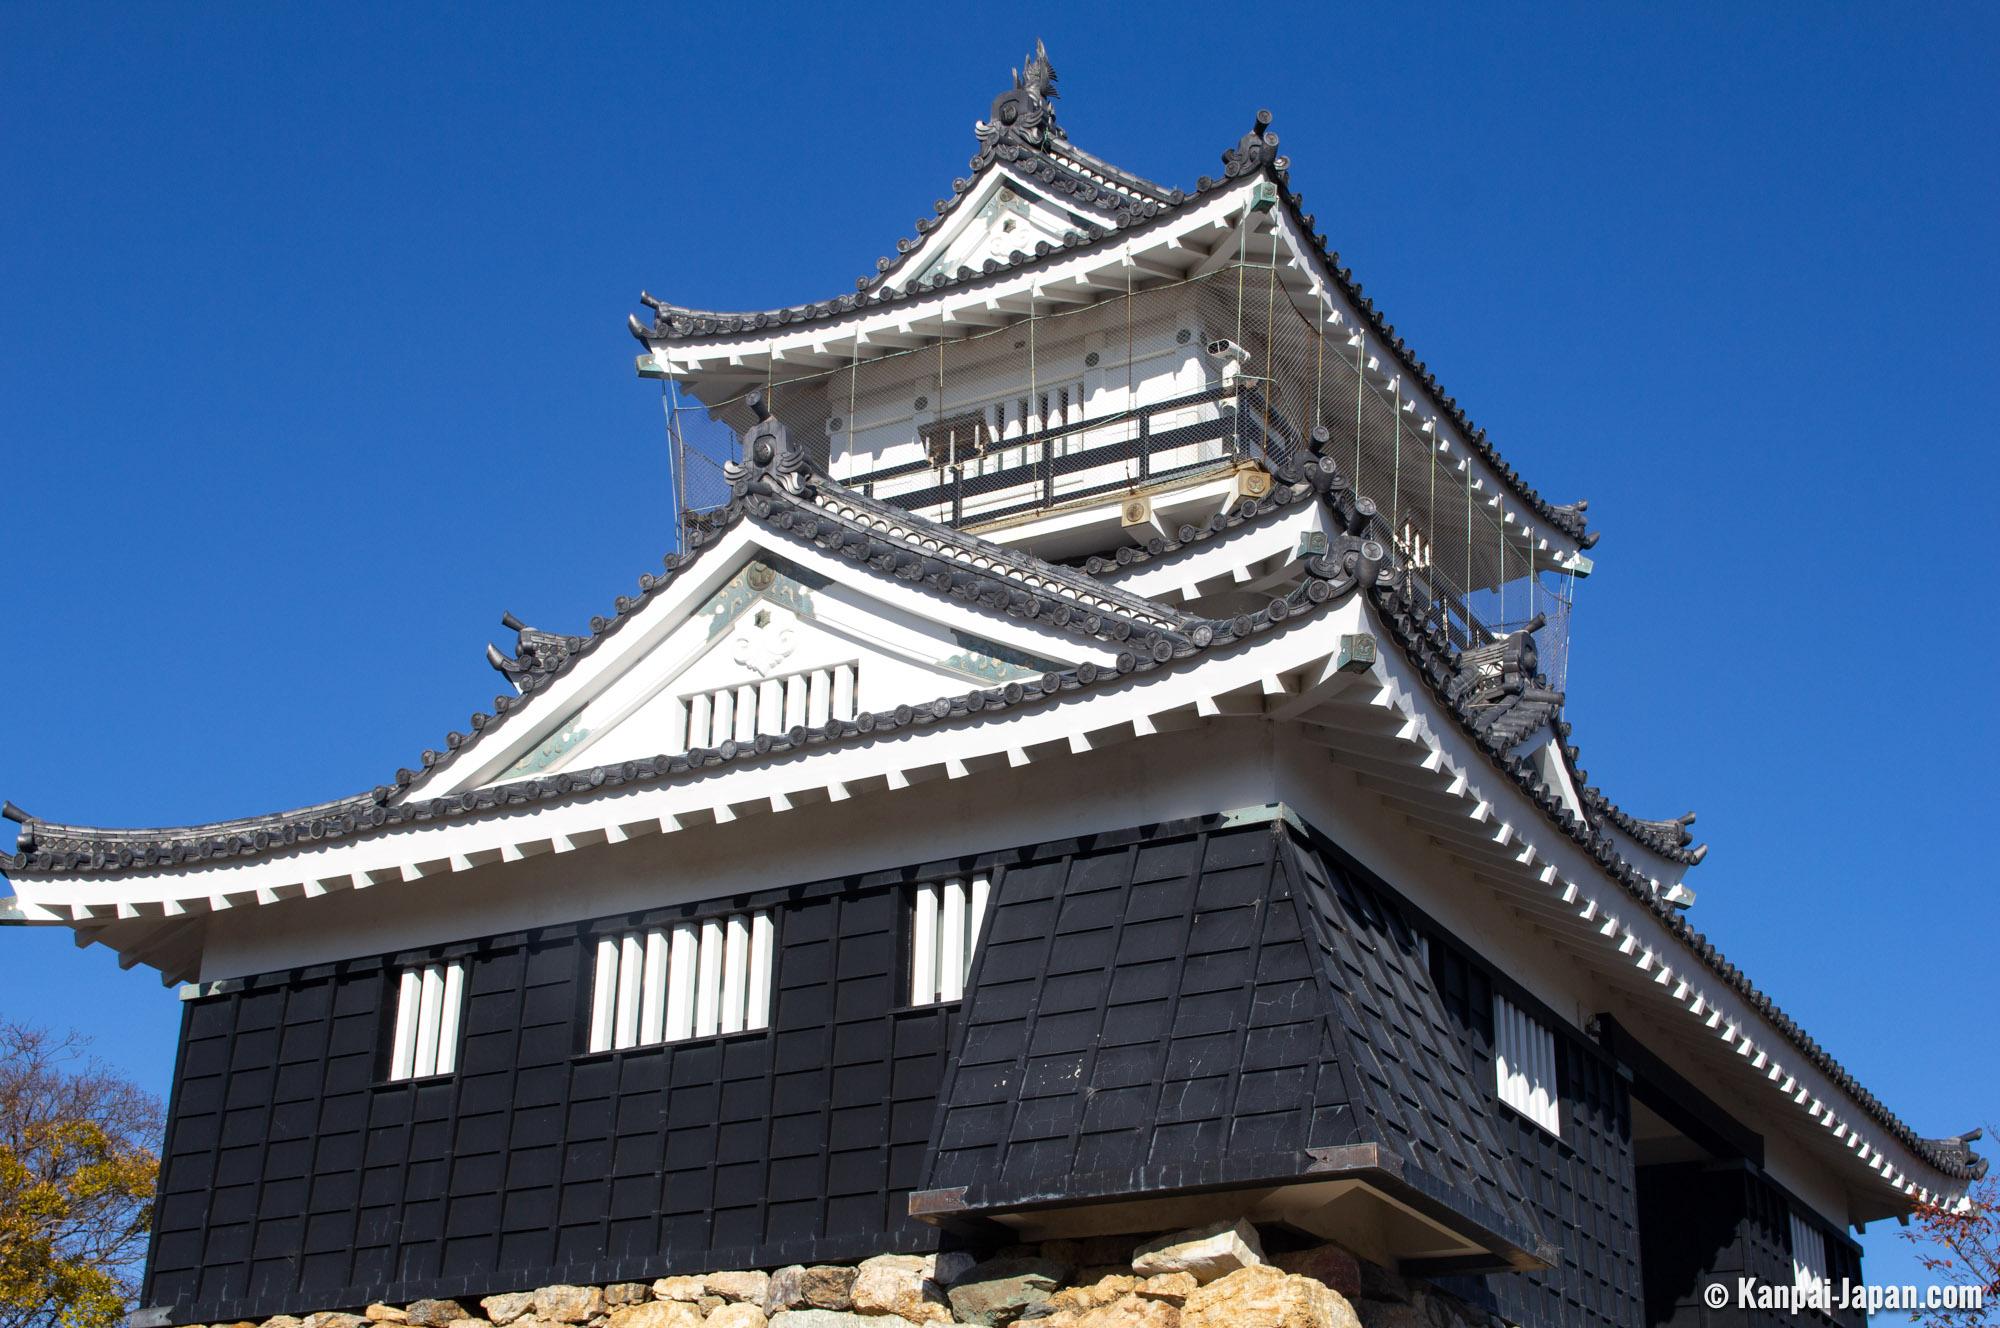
{"x":1332,"y":578}
{"x":1255,"y":155}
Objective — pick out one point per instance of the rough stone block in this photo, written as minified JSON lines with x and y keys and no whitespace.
{"x":749,"y":1288}
{"x":952,"y":1266}
{"x":565,"y":1304}
{"x":658,"y":1314}
{"x":1173,"y":1288}
{"x":827,"y":1286}
{"x":1267,"y":1297}
{"x":680,"y":1288}
{"x":1130,"y":1310}
{"x":426,"y":1313}
{"x":1208,"y":1252}
{"x":505,"y":1309}
{"x":1091,"y":1295}
{"x":1000,"y":1291}
{"x":737,"y":1316}
{"x":899,"y":1284}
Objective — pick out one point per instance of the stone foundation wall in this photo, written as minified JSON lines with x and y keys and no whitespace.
{"x":1211,"y":1277}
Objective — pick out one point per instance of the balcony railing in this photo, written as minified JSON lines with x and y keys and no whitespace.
{"x":1088,"y":457}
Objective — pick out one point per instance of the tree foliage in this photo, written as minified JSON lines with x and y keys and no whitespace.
{"x":77,"y":1165}
{"x":1961,"y":1243}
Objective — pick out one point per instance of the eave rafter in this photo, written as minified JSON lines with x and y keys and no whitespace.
{"x":1443,"y":795}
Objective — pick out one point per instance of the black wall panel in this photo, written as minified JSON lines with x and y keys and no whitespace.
{"x":295,"y":1178}
{"x":1169,"y":995}
{"x":1199,"y":1008}
{"x":1580,"y":1187}
{"x":1708,"y":1223}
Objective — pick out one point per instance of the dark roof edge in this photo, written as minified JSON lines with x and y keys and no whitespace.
{"x":103,"y":850}
{"x":1355,"y":562}
{"x":675,"y":323}
{"x":1434,"y":659}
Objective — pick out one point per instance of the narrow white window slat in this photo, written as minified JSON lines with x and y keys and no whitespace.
{"x":604,"y":994}
{"x":696,"y":979}
{"x":403,"y":1050}
{"x":1524,"y":1063}
{"x":843,"y":691}
{"x":708,"y":981}
{"x":676,"y":727}
{"x":430,"y":1005}
{"x":923,"y":948}
{"x":427,"y":1023}
{"x":981,"y":888}
{"x":631,"y":973}
{"x":448,"y":1018}
{"x":735,"y":972}
{"x":1543,"y":1100}
{"x":819,"y":699}
{"x":1553,"y":1109}
{"x":653,"y":990}
{"x":1808,"y":1255}
{"x":757,"y":1014}
{"x":946,"y":919}
{"x":680,"y":983}
{"x":951,"y":943}
{"x":814,"y":697}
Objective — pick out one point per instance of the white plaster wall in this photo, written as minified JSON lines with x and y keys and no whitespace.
{"x":1224,"y":764}
{"x":1133,"y":783}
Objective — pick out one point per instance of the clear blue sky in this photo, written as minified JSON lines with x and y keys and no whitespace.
{"x":313,"y":361}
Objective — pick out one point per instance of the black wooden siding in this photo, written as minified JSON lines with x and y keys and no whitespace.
{"x":1200,"y":1009}
{"x":1193,"y":975}
{"x":1717,"y":1222}
{"x":1579,"y":1186}
{"x":294,"y":1178}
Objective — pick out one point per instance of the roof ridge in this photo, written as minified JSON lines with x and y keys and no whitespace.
{"x":1332,"y":578}
{"x":1361,"y":564}
{"x":1427,"y":648}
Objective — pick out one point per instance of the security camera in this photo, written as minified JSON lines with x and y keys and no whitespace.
{"x":1226,"y":350}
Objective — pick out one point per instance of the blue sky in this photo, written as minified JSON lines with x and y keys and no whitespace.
{"x":314,"y":361}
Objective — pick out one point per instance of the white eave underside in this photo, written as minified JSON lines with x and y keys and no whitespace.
{"x":1163,"y":250}
{"x":1383,"y":726}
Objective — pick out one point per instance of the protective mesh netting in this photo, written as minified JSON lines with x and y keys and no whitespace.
{"x":1041,"y":403}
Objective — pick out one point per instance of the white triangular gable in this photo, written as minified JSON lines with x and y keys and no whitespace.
{"x":1001,"y":215}
{"x":776,"y":634}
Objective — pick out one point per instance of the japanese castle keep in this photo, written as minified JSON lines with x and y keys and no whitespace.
{"x":1094,"y":766}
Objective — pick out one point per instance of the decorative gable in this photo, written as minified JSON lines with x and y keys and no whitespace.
{"x":776,"y":646}
{"x":1004,"y":220}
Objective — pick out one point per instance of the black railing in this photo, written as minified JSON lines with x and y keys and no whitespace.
{"x":1036,"y":458}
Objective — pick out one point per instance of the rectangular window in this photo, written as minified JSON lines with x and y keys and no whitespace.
{"x":1808,"y":1255}
{"x":690,"y":980}
{"x":944,"y":928}
{"x":428,"y":1002}
{"x":812,"y":698}
{"x":1524,"y":1062}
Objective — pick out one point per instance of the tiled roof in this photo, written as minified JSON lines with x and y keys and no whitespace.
{"x":1136,"y":202}
{"x":776,"y":488}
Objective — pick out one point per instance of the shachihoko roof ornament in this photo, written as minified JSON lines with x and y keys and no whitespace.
{"x":1022,"y":116}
